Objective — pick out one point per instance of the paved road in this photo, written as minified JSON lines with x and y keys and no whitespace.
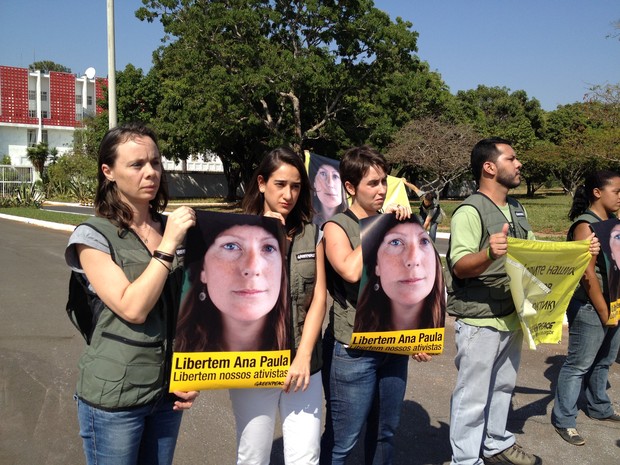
{"x":39,"y":350}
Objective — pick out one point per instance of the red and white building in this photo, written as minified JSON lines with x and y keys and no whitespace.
{"x":41,"y":106}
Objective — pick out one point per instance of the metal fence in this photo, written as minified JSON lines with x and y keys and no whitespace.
{"x":11,"y":177}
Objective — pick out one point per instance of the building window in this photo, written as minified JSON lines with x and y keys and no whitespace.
{"x":44,"y":114}
{"x":32,"y":95}
{"x":89,"y":100}
{"x":32,"y":113}
{"x":78,"y":116}
{"x":32,"y":137}
{"x":44,"y":136}
{"x":43,"y":96}
{"x":78,"y":99}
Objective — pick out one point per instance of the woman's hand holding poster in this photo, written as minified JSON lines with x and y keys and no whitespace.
{"x":234,"y":321}
{"x":401,"y":306}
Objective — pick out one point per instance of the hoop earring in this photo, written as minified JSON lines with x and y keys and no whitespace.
{"x":203,"y":294}
{"x":377,"y":286}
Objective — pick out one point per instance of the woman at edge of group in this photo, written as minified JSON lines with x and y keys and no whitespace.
{"x":592,"y":346}
{"x":281,"y":189}
{"x":410,"y":248}
{"x":360,"y":386}
{"x":125,"y":412}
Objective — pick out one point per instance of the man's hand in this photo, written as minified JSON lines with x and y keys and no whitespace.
{"x":498,"y":243}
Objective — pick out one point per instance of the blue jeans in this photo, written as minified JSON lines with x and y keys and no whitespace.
{"x":364,"y":387}
{"x":487,"y":361}
{"x":592,"y":348}
{"x":140,"y":436}
{"x":432,"y":231}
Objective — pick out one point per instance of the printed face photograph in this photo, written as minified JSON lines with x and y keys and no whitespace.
{"x":327,"y":186}
{"x":614,"y":244}
{"x":402,"y":283}
{"x":406,"y":264}
{"x":242,"y":271}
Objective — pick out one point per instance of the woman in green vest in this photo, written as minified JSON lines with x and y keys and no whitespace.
{"x":128,"y":255}
{"x":280,"y":189}
{"x":592,"y":345}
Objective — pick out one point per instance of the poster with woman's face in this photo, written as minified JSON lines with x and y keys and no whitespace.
{"x":402,"y":300}
{"x":329,"y":196}
{"x":233,"y":323}
{"x":608,"y":233}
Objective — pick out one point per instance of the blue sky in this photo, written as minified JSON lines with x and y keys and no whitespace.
{"x":552,"y":49}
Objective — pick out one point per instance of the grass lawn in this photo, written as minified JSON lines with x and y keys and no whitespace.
{"x":547,"y":212}
{"x":44,"y":215}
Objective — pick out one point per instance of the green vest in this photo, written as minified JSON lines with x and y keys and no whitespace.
{"x":488,"y":295}
{"x":344,"y":294}
{"x":600,"y":267}
{"x":126,"y":364}
{"x":302,"y":279}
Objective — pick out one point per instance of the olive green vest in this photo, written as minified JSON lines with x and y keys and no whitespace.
{"x":302,"y":279}
{"x":126,"y":364}
{"x":344,"y":294}
{"x":600,"y":267}
{"x":488,"y":295}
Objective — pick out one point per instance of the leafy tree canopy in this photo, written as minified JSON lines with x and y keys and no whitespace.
{"x":240,"y":77}
{"x":47,"y":65}
{"x":495,"y":111}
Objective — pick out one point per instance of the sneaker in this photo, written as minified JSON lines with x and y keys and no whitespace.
{"x":571,"y":435}
{"x":514,"y":455}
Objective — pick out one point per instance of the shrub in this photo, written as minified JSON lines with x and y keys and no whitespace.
{"x":74,"y":175}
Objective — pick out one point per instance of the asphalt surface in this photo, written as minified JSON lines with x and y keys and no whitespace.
{"x":39,"y":349}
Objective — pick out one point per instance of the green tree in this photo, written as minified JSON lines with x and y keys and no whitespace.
{"x":495,"y":111}
{"x":37,"y":155}
{"x":538,"y":164}
{"x":47,"y":65}
{"x":243,"y":76}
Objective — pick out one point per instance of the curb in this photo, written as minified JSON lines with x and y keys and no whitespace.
{"x":41,"y":223}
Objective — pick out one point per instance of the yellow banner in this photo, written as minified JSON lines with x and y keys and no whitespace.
{"x":543,"y":277}
{"x":400,"y":342}
{"x":196,"y":371}
{"x":396,"y":193}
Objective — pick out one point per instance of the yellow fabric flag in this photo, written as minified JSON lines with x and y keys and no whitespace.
{"x":396,"y":193}
{"x":543,"y":277}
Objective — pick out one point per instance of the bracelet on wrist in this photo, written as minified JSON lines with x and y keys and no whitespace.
{"x":490,"y":255}
{"x":163,"y":256}
{"x":163,"y":263}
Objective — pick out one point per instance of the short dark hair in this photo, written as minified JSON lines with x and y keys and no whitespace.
{"x":357,"y":161}
{"x":483,"y":151}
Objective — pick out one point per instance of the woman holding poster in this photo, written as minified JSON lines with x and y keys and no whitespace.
{"x":238,"y":295}
{"x":404,"y":275}
{"x":281,"y":189}
{"x":592,"y":346}
{"x":128,"y":257}
{"x":361,"y":387}
{"x":329,"y":197}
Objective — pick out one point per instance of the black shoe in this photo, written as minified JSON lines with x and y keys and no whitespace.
{"x":571,"y":435}
{"x":613,"y":417}
{"x":514,"y":455}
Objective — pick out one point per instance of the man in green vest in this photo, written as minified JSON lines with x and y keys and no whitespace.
{"x":487,"y":331}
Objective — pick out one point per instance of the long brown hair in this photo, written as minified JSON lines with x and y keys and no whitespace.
{"x":108,"y":202}
{"x":372,"y":307}
{"x":254,"y":201}
{"x":199,"y":326}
